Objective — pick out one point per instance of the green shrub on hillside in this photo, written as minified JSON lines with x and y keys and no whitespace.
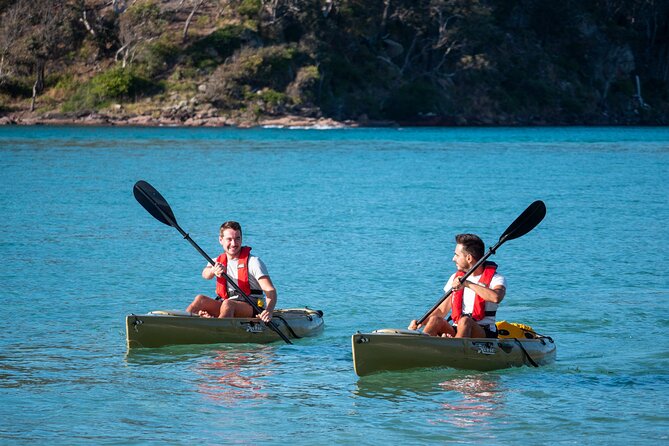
{"x":267,"y":101}
{"x":249,"y":8}
{"x":273,"y":98}
{"x":212,"y":50}
{"x":303,"y":88}
{"x":252,"y":69}
{"x":115,"y":84}
{"x":64,"y":86}
{"x":157,"y":57}
{"x":269,"y":65}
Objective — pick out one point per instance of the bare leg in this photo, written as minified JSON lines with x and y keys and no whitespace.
{"x":477,"y":331}
{"x":468,"y":328}
{"x":437,"y":326}
{"x":204,"y":306}
{"x":235,"y":308}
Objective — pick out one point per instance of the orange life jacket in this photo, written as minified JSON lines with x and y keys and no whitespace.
{"x":479,"y":304}
{"x":242,"y":273}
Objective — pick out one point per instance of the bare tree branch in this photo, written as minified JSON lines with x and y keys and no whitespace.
{"x":14,"y":22}
{"x":196,"y":5}
{"x":138,"y":24}
{"x":84,"y":19}
{"x":50,"y":37}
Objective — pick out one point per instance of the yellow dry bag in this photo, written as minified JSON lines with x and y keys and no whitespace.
{"x":513,"y":330}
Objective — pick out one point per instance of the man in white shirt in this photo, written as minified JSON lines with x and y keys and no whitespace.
{"x":473,"y":303}
{"x":248,"y":272}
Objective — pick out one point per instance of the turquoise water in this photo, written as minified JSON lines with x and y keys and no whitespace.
{"x":358,"y":223}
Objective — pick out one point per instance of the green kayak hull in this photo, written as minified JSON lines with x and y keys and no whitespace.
{"x":159,"y":328}
{"x":396,"y":349}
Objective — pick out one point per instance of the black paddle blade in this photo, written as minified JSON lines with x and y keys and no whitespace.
{"x":525,"y":222}
{"x":154,"y":203}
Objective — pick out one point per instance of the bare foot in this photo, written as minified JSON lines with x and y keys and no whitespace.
{"x":203,"y":313}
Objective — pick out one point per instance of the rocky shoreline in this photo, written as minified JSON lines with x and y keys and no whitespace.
{"x":175,"y":117}
{"x":104,"y":119}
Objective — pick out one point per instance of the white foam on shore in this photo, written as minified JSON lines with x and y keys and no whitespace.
{"x":303,"y":127}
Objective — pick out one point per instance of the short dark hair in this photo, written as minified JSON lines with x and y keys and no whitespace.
{"x":471,"y":244}
{"x":231,"y":225}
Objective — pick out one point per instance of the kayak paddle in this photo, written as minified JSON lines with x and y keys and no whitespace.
{"x":525,"y":222}
{"x":156,"y":205}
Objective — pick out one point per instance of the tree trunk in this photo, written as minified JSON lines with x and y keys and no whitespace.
{"x":384,"y":18}
{"x":39,"y":72}
{"x":197,"y":5}
{"x":84,"y":20}
{"x":327,"y":9}
{"x":32,"y":102}
{"x":38,"y":86}
{"x":124,"y":52}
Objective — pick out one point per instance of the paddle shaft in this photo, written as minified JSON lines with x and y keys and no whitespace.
{"x":248,"y":299}
{"x":462,"y":279}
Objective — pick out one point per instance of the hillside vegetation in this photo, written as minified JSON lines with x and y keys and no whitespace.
{"x":422,"y":62}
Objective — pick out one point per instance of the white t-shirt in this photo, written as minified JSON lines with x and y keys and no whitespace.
{"x":257,"y":269}
{"x":469,"y":295}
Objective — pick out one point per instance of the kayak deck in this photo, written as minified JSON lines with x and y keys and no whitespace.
{"x":160,"y":328}
{"x":396,"y":349}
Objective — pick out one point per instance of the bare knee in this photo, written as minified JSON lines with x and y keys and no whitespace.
{"x":477,"y":331}
{"x":196,"y":305}
{"x":235,"y":308}
{"x":436,"y":326}
{"x":227,"y":309}
{"x":465,"y":327}
{"x":465,"y":321}
{"x":428,"y":323}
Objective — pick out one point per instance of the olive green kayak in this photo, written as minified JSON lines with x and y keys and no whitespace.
{"x":396,"y":349}
{"x":159,"y":328}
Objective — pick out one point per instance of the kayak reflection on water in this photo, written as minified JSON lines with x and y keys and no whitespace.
{"x":447,"y":396}
{"x":474,"y":401}
{"x":234,"y":375}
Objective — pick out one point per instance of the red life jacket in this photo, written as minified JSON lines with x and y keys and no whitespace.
{"x":479,"y":304}
{"x":242,"y":273}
